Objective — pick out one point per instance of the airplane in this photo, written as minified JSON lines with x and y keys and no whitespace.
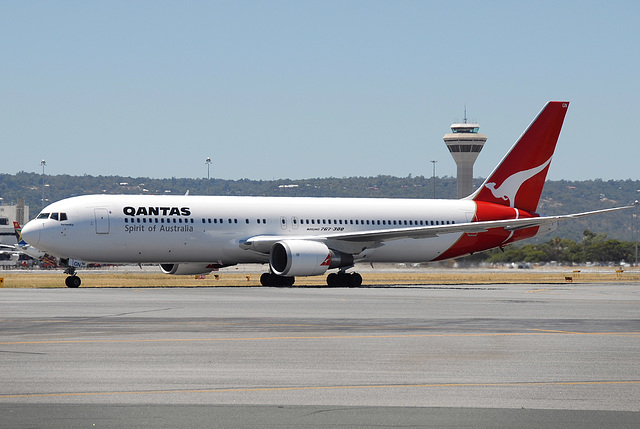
{"x":9,"y":253}
{"x":301,"y":236}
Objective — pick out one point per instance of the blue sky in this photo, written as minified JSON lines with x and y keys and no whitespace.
{"x":302,"y":89}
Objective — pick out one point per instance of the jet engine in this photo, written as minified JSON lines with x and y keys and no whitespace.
{"x":187,"y":269}
{"x":292,"y":258}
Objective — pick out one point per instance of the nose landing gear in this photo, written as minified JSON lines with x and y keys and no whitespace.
{"x":73,"y":280}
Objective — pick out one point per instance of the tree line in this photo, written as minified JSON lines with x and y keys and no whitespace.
{"x":593,"y":248}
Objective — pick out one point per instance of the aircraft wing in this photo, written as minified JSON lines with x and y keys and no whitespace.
{"x":355,"y":242}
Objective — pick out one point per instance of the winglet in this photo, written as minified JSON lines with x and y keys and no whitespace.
{"x":518,"y":180}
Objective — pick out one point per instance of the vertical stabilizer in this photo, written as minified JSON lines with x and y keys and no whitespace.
{"x":518,"y":180}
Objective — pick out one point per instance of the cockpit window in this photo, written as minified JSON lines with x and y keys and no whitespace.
{"x":53,"y":216}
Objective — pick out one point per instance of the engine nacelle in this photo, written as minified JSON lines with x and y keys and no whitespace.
{"x":291,"y":258}
{"x":187,"y":269}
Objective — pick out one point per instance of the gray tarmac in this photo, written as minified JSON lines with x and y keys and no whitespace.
{"x":418,"y":356}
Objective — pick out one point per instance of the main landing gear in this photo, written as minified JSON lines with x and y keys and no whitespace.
{"x":339,"y":279}
{"x":342,"y":279}
{"x":73,"y":280}
{"x":269,"y":279}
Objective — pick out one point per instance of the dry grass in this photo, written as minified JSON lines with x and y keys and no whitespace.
{"x":39,"y":279}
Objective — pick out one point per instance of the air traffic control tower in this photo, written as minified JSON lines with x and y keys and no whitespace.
{"x":465,"y":143}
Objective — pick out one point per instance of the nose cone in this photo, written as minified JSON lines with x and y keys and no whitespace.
{"x":31,"y":232}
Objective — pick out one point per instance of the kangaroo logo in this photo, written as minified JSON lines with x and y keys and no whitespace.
{"x":510,"y":187}
{"x":327,"y":261}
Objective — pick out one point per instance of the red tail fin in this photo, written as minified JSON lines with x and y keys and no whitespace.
{"x":518,"y":180}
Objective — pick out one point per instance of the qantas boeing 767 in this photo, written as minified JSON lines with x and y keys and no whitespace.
{"x":306,"y":236}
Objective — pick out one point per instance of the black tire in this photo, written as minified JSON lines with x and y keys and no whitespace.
{"x":265,"y":279}
{"x":355,"y":280}
{"x":333,"y":280}
{"x":73,"y":281}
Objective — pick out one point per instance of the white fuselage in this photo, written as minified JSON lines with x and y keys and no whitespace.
{"x":172,"y":229}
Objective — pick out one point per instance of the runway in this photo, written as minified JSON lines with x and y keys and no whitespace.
{"x":493,"y":356}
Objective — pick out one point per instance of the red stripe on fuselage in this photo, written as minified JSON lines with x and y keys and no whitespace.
{"x":494,"y":237}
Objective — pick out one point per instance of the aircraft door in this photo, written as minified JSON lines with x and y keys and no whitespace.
{"x":102,"y":221}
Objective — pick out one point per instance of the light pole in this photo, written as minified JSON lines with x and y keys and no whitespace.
{"x":208,"y":162}
{"x":635,"y":227}
{"x":43,"y":163}
{"x":434,"y":178}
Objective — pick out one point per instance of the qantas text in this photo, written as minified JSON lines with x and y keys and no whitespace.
{"x":157,"y":211}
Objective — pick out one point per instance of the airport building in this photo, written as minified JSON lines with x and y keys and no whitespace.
{"x":465,"y":143}
{"x":9,"y":214}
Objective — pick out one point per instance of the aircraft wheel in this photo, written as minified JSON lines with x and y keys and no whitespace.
{"x":73,"y":281}
{"x":265,"y":279}
{"x":333,"y":280}
{"x":355,"y":280}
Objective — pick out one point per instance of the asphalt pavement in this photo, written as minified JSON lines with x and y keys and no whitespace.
{"x":390,"y":356}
